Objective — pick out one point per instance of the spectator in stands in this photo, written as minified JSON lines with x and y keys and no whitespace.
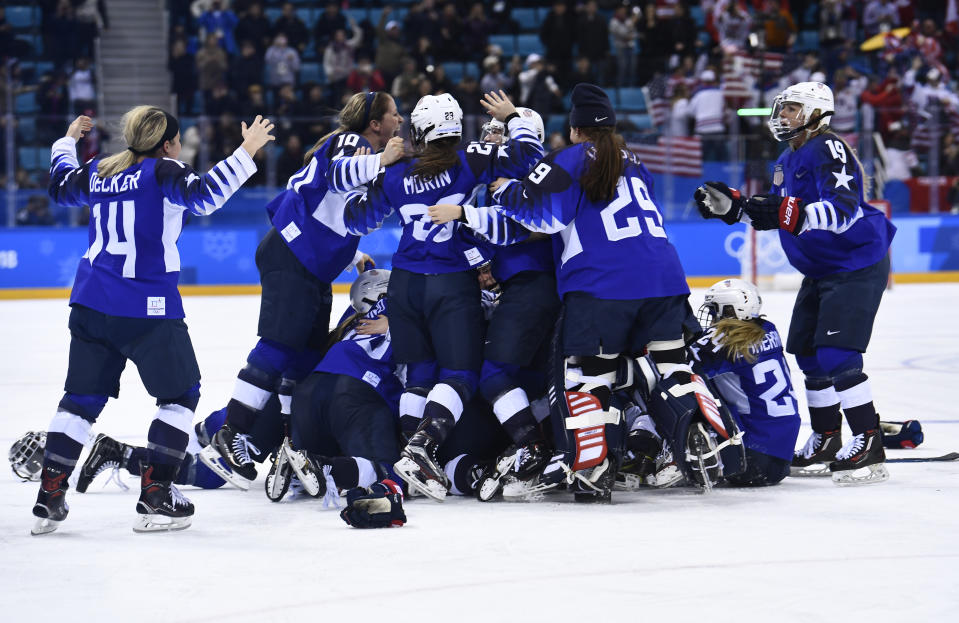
{"x":936,"y":90}
{"x":211,"y":65}
{"x":91,"y":18}
{"x":326,"y":25}
{"x":288,"y":112}
{"x":54,"y":102}
{"x":315,"y":124}
{"x":949,"y":163}
{"x":182,"y":68}
{"x":847,"y":88}
{"x":365,"y":77}
{"x":293,"y":27}
{"x":592,"y":36}
{"x":778,"y":25}
{"x":622,"y":27}
{"x":557,"y":140}
{"x":734,"y":24}
{"x":254,"y":100}
{"x":476,"y":31}
{"x":558,"y":35}
{"x":900,"y":161}
{"x":439,"y":79}
{"x":681,"y":32}
{"x":282,"y":63}
{"x":221,"y":23}
{"x":405,"y":86}
{"x":390,"y":49}
{"x":423,"y":20}
{"x":468,"y":94}
{"x":707,"y":107}
{"x":876,"y":13}
{"x":678,"y":112}
{"x":537,"y":86}
{"x":449,"y":46}
{"x":83,"y":95}
{"x":221,"y":102}
{"x":885,"y":97}
{"x":247,"y":68}
{"x":36,"y":212}
{"x":253,"y":26}
{"x":60,"y":32}
{"x":291,"y":159}
{"x":582,"y":72}
{"x":493,"y":77}
{"x":338,"y":61}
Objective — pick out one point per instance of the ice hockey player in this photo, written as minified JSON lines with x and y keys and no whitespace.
{"x":436,"y":318}
{"x":298,"y":259}
{"x":840,"y":244}
{"x":125,"y":301}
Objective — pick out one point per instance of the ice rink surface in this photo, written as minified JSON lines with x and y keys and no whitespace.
{"x":802,"y":551}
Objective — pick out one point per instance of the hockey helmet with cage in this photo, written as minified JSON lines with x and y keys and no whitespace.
{"x":26,"y":455}
{"x":817,"y":106}
{"x":730,"y":298}
{"x":494,"y":127}
{"x":435,"y":117}
{"x":368,"y":288}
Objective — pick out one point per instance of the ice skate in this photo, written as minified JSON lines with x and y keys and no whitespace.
{"x":814,"y":457}
{"x":237,"y":468}
{"x":521,"y":463}
{"x":702,"y":457}
{"x":310,"y":469}
{"x":278,"y":478}
{"x":106,"y":454}
{"x":51,"y":506}
{"x":161,"y":506}
{"x":555,"y":476}
{"x":863,"y":452}
{"x":419,"y":465}
{"x":642,"y":447}
{"x":665,"y":473}
{"x":595,"y":485}
{"x":492,"y":480}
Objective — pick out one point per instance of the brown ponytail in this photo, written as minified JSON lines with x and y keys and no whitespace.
{"x":606,"y":164}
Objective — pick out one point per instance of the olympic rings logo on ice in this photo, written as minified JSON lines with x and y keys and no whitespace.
{"x":769,"y":252}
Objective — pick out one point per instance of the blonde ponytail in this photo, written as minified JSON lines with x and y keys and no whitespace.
{"x":738,"y":337}
{"x":143,"y":127}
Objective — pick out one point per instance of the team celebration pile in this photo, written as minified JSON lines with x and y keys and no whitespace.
{"x":535,"y":338}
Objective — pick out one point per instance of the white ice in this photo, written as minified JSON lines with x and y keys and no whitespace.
{"x":802,"y":551}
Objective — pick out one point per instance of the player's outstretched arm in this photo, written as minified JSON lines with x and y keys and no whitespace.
{"x":256,"y":135}
{"x":69,"y":182}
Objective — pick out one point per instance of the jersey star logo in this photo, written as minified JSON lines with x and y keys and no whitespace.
{"x":842,"y":179}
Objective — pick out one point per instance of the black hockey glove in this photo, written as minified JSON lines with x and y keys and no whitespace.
{"x":380,"y":506}
{"x":775,"y":212}
{"x":716,"y":200}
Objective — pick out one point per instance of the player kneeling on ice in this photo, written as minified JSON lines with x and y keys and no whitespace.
{"x":840,"y":244}
{"x":125,"y":302}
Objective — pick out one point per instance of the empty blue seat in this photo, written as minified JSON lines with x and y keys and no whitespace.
{"x":555,"y":123}
{"x":526,"y":18}
{"x":26,"y":157}
{"x":699,"y":16}
{"x":22,"y":16}
{"x":25,"y":103}
{"x":308,"y":15}
{"x":642,"y":122}
{"x":807,"y":41}
{"x":506,"y":42}
{"x":311,"y":72}
{"x":528,"y":44}
{"x":631,"y":98}
{"x":27,"y":128}
{"x":454,"y":71}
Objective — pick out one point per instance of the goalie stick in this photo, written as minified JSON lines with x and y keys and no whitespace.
{"x":952,"y":456}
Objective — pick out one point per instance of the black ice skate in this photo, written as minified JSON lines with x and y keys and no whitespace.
{"x":234,"y":448}
{"x":595,"y":485}
{"x":161,"y":506}
{"x":419,"y":465}
{"x":51,"y":507}
{"x":862,"y":451}
{"x":312,"y":470}
{"x":704,"y":467}
{"x":106,"y":454}
{"x":516,"y":464}
{"x":814,"y":457}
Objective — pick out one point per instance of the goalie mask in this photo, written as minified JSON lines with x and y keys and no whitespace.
{"x":817,"y":106}
{"x":368,"y":289}
{"x":26,"y":455}
{"x":495,"y":131}
{"x":730,"y":298}
{"x":436,"y":117}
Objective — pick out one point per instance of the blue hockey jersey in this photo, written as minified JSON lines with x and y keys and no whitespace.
{"x":309,"y":213}
{"x":424,"y":247}
{"x":616,"y":250}
{"x":759,"y":395}
{"x":132,"y":265}
{"x":842,"y":232}
{"x":368,"y":358}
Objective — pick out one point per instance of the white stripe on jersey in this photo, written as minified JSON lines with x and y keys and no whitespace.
{"x":306,"y":179}
{"x":571,"y":244}
{"x":823,"y":215}
{"x":172,"y":224}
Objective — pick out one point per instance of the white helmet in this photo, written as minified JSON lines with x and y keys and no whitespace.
{"x":435,"y":117}
{"x":368,"y":288}
{"x":26,"y":455}
{"x":812,"y":96}
{"x":730,"y":298}
{"x":493,"y":127}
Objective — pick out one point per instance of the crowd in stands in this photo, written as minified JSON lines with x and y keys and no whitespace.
{"x":699,"y":61}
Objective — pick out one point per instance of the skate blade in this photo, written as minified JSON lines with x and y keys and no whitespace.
{"x":44,"y":526}
{"x":160,"y":523}
{"x":407,"y":469}
{"x":488,"y":488}
{"x":307,"y":477}
{"x":211,"y":458}
{"x":669,"y":476}
{"x":877,"y":473}
{"x":816,"y":470}
{"x":526,"y":490}
{"x":627,"y":482}
{"x":278,"y":482}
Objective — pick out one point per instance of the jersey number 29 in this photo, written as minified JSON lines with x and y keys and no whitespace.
{"x":629,"y":191}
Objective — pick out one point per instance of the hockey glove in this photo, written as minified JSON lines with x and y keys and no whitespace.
{"x":775,"y":212}
{"x":380,"y":506}
{"x":716,"y":200}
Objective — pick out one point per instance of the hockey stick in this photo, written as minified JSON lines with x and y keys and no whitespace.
{"x":952,"y":456}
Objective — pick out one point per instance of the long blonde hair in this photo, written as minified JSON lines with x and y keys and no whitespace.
{"x":351,"y":117}
{"x":737,"y":337}
{"x":143,"y":127}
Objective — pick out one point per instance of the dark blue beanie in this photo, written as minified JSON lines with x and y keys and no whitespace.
{"x":591,"y":107}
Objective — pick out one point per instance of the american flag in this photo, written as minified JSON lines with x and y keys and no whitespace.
{"x":679,"y":155}
{"x":741,"y":72}
{"x":657,"y":101}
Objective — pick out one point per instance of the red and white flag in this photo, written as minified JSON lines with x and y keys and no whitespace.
{"x":679,"y":155}
{"x":952,"y":19}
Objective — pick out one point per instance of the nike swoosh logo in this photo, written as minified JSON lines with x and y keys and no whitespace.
{"x":598,"y":119}
{"x":831,"y":332}
{"x":799,"y":174}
